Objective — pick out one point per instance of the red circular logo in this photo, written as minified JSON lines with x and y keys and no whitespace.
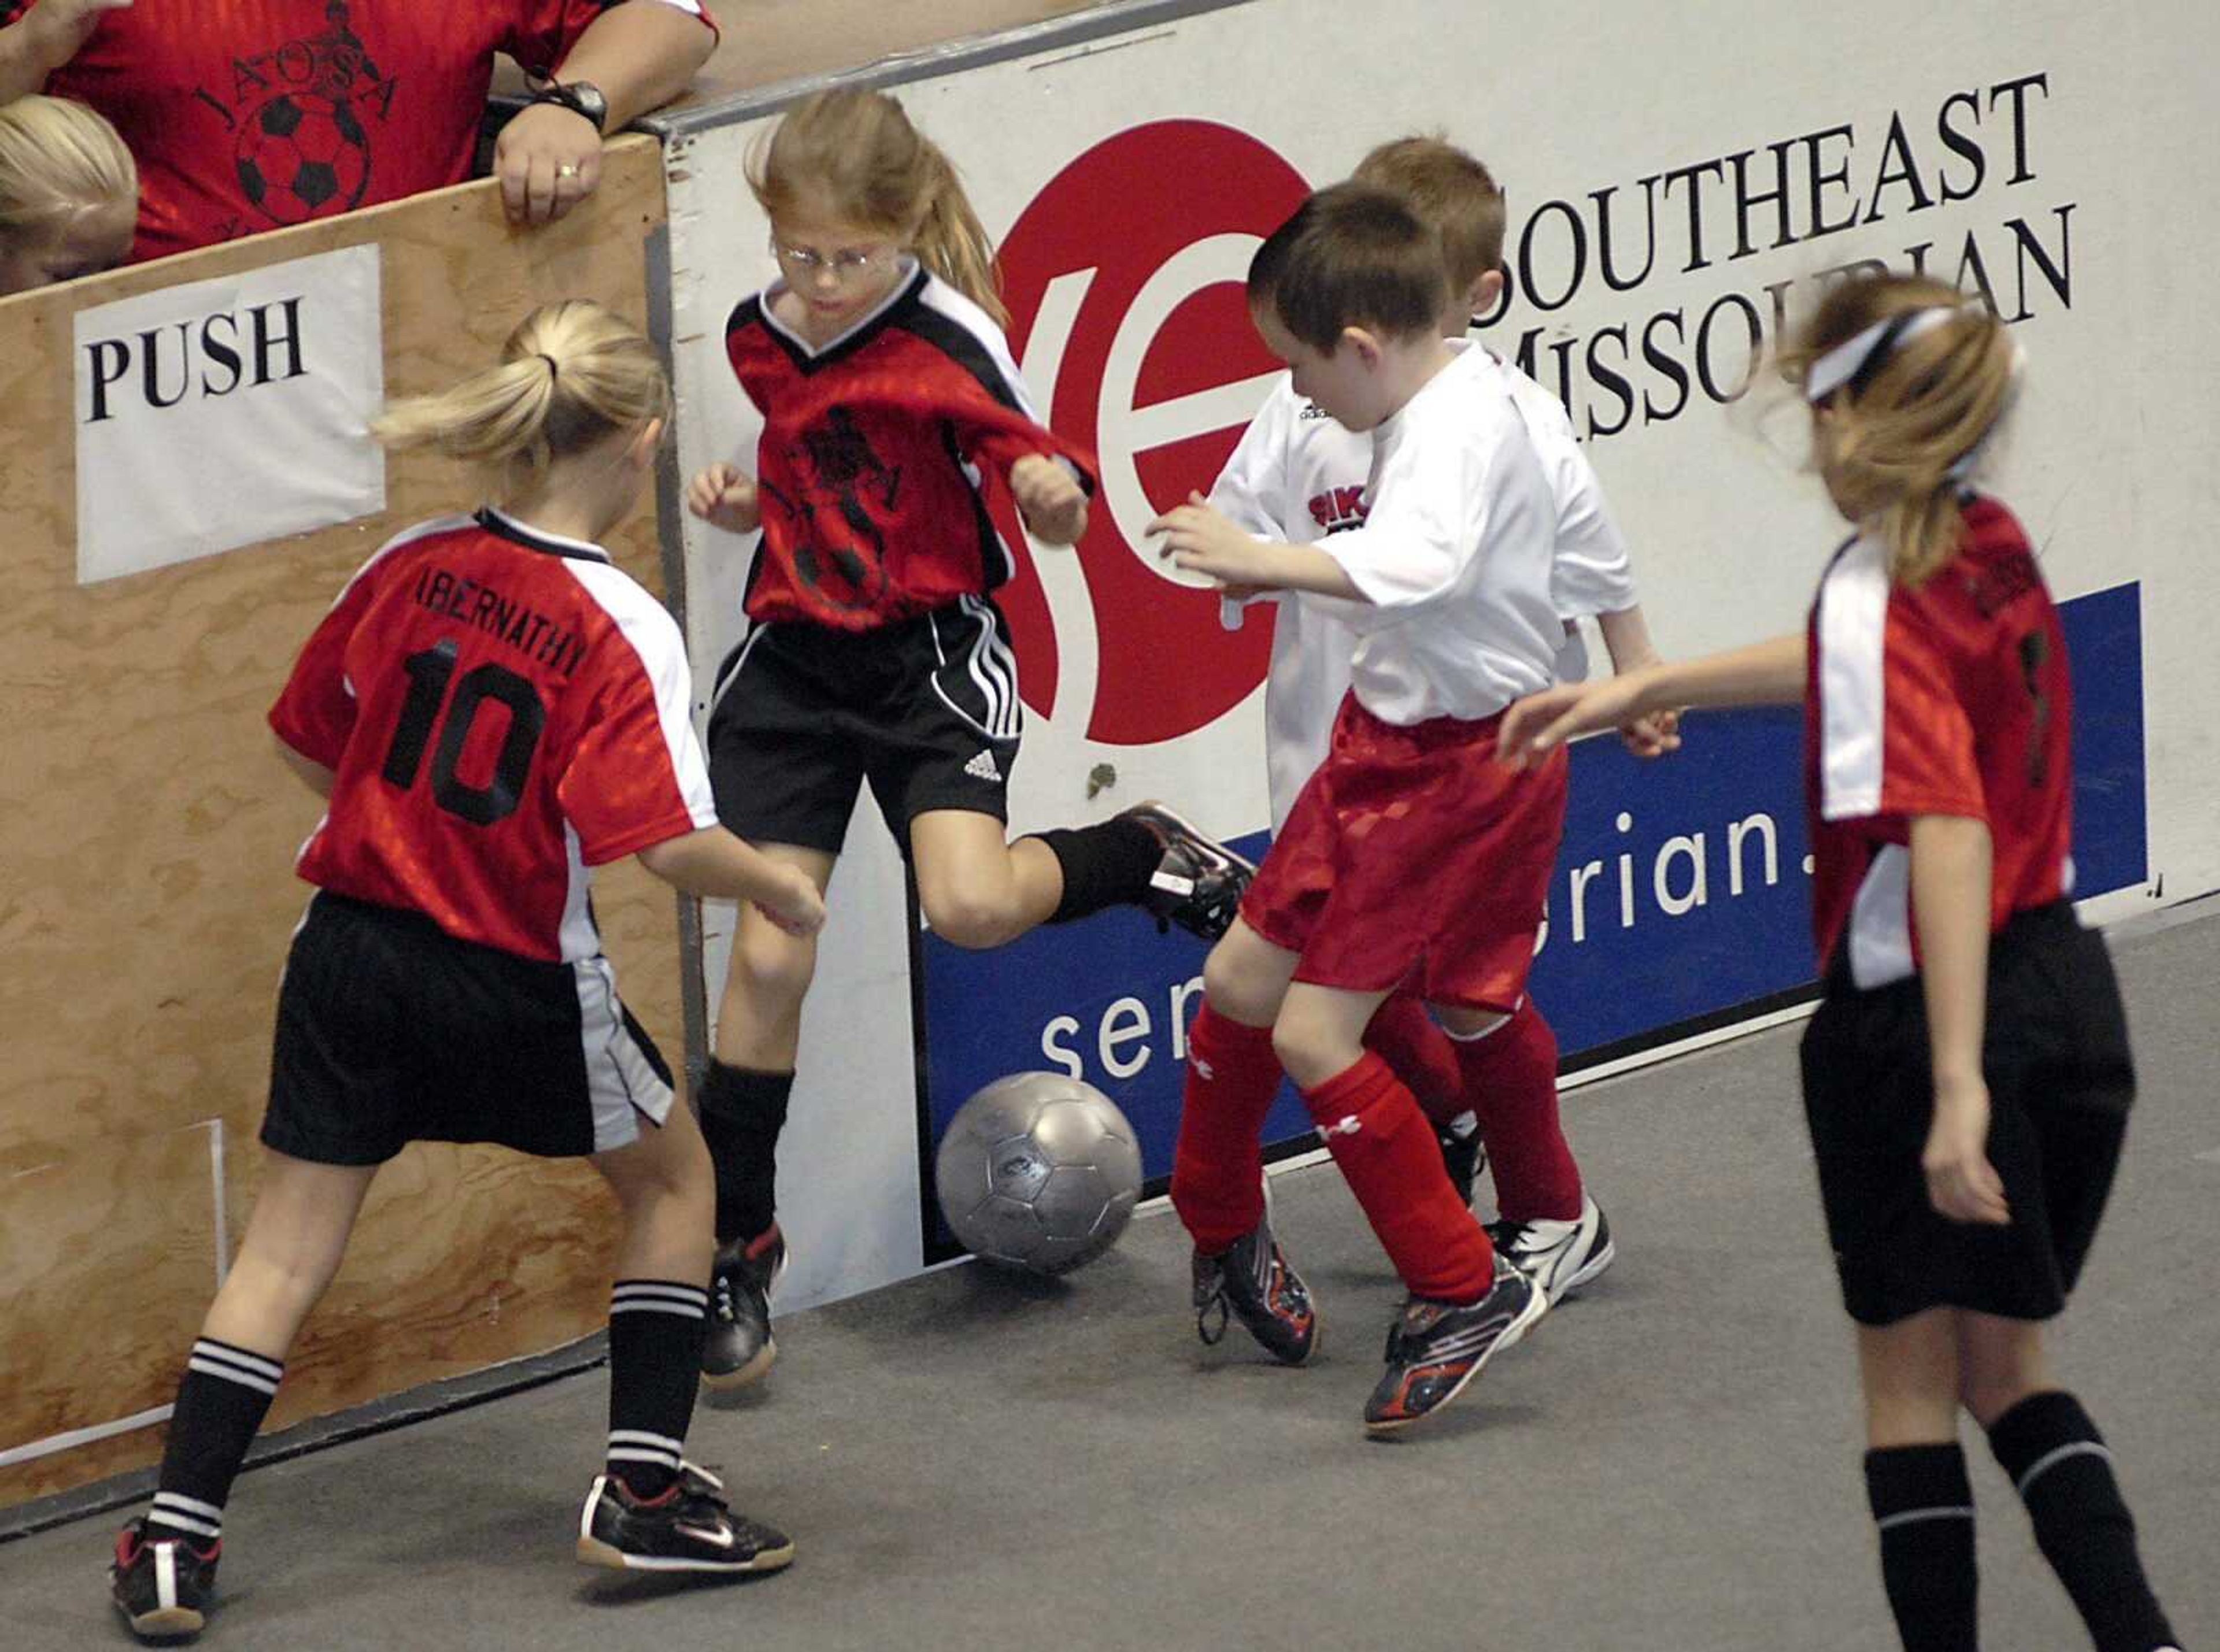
{"x":1124,"y":279}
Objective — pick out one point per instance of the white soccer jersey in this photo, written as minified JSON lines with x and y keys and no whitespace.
{"x":1297,"y":475}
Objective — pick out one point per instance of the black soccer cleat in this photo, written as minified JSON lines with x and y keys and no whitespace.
{"x":161,"y":1584}
{"x":739,"y":1348}
{"x":1464,"y":1155}
{"x":689,"y":1529}
{"x":1436,"y":1349}
{"x":1251,"y":1281}
{"x":1199,"y":882}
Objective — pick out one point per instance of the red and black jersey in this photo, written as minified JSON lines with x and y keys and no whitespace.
{"x":1950,"y":698}
{"x":503,"y":709}
{"x":251,"y":115}
{"x":883,"y":456}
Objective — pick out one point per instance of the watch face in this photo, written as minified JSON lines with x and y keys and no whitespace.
{"x":589,"y":102}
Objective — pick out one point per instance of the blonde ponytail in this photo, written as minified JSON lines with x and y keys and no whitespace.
{"x":852,"y":154}
{"x":570,"y":376}
{"x":57,"y":159}
{"x":1896,"y":441}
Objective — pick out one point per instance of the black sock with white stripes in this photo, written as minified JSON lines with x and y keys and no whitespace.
{"x":656,"y":1327}
{"x":1108,"y":865}
{"x":1922,"y":1506}
{"x":222,"y":1402}
{"x":2060,"y":1462}
{"x":743,"y":1111}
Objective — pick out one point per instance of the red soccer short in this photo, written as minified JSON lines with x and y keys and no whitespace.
{"x":1413,"y":857}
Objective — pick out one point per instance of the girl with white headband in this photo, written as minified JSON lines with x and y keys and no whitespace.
{"x":1966,"y":1078}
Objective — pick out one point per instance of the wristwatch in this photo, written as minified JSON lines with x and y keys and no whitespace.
{"x":580,"y":98}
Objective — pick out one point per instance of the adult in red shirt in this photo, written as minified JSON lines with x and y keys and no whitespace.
{"x":254,"y":114}
{"x":1966,"y":1078}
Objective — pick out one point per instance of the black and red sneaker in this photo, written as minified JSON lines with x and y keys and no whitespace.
{"x":1251,"y":1281}
{"x":689,"y":1528}
{"x":1199,"y":882}
{"x":1435,"y":1349}
{"x":162,"y":1584}
{"x":739,"y":1348}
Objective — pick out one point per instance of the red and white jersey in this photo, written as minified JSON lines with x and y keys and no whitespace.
{"x":883,"y":455}
{"x":503,"y":709}
{"x":1297,"y":476}
{"x":253,"y":115}
{"x":1949,"y":698}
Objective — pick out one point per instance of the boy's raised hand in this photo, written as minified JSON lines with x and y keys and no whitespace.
{"x":1049,"y":499}
{"x":725,"y":497}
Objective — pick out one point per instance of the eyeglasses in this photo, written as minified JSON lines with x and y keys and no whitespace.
{"x":802,"y":262}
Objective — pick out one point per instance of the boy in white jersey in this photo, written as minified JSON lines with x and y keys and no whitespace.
{"x":1412,"y":856}
{"x":1300,"y":476}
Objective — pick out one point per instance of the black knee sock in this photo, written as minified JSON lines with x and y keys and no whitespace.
{"x":742,"y":1113}
{"x":656,"y":1327}
{"x":222,"y":1402}
{"x":1104,"y":865}
{"x":1923,"y":1508}
{"x":2055,"y":1456}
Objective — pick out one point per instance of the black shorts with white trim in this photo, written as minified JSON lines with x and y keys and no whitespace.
{"x":392,"y":1030}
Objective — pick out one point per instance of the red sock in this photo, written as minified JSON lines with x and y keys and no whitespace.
{"x":1388,"y":1154}
{"x":1218,"y":1167}
{"x":1422,"y":1056}
{"x":1511,"y":1083}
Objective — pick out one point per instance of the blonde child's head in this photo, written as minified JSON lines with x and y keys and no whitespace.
{"x":69,"y":193}
{"x":1907,"y":381}
{"x":1457,"y":197}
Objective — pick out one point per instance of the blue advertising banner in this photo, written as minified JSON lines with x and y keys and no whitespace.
{"x":1680,"y":902}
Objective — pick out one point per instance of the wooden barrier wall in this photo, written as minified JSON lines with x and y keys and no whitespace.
{"x":146,"y":835}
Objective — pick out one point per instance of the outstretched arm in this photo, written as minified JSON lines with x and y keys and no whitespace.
{"x":1763,"y":674}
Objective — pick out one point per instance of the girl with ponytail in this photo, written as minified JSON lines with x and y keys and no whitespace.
{"x":69,"y":193}
{"x":895,"y":424}
{"x":489,"y":709}
{"x":1966,"y":1079}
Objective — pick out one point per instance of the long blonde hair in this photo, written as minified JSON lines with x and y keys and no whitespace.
{"x":569,"y":375}
{"x":1897,"y":436}
{"x":854,"y":154}
{"x":59,"y":158}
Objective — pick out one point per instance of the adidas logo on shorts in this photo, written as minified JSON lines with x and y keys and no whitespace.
{"x":982,"y":768}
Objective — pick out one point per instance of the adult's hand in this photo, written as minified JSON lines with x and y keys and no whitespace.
{"x":548,"y":158}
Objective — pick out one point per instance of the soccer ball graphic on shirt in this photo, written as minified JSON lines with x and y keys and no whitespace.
{"x":1038,"y":1171}
{"x":303,"y":155}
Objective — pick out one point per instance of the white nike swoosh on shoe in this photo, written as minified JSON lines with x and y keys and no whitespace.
{"x":721,"y":1536}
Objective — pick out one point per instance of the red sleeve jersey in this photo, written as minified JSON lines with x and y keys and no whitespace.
{"x":503,"y":709}
{"x":1949,"y":698}
{"x":251,"y":115}
{"x":882,"y":455}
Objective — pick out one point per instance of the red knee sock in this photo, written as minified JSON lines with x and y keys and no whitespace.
{"x":1218,"y":1167}
{"x":1511,"y":1083}
{"x":1422,"y":1056}
{"x":1387,"y":1153}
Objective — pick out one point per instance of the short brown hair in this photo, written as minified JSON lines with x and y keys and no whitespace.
{"x":1354,"y":255}
{"x":1449,"y":190}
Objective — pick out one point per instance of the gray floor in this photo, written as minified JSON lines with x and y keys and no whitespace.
{"x":965,"y":1462}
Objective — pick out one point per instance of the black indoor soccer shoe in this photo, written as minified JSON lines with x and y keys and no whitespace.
{"x":161,"y":1584}
{"x":1436,"y":1349}
{"x":739,"y":1348}
{"x":1464,"y":1154}
{"x":689,"y":1529}
{"x":1199,"y":882}
{"x":1251,"y":1281}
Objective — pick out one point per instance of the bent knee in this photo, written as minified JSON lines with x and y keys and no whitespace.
{"x":1311,"y":1055}
{"x":970,"y":917}
{"x":771,"y":966}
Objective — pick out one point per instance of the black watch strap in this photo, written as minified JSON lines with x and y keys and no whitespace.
{"x":579,"y":98}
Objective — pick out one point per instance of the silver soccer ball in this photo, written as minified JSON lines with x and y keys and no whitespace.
{"x":1038,"y":1171}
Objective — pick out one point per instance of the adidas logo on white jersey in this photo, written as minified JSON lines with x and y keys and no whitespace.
{"x":982,"y":768}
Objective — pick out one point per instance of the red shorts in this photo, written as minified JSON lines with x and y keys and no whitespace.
{"x":1413,"y":857}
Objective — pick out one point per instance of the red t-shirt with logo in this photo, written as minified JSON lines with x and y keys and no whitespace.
{"x":1950,"y":698}
{"x":503,"y":709}
{"x":254,"y":114}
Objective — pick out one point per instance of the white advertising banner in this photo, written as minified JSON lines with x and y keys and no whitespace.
{"x":226,"y":412}
{"x":1679,"y":180}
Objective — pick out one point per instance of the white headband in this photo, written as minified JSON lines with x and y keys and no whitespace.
{"x":1884,"y":337}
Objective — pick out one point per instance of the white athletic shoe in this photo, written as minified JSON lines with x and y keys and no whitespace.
{"x":1559,"y":1257}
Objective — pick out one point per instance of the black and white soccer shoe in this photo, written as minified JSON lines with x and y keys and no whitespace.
{"x":1199,"y":882}
{"x":689,"y":1529}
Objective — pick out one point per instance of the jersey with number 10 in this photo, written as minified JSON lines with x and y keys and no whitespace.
{"x":503,"y":709}
{"x":1949,"y":697}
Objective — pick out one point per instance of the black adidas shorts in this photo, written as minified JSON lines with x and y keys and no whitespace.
{"x":925,"y":710}
{"x":2060,"y":1081}
{"x":392,"y":1030}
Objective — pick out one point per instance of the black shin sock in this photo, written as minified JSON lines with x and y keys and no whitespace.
{"x":1105,"y":866}
{"x":1922,"y":1507}
{"x":656,"y":1327}
{"x":222,"y":1402}
{"x":2059,"y":1462}
{"x":742,"y":1113}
